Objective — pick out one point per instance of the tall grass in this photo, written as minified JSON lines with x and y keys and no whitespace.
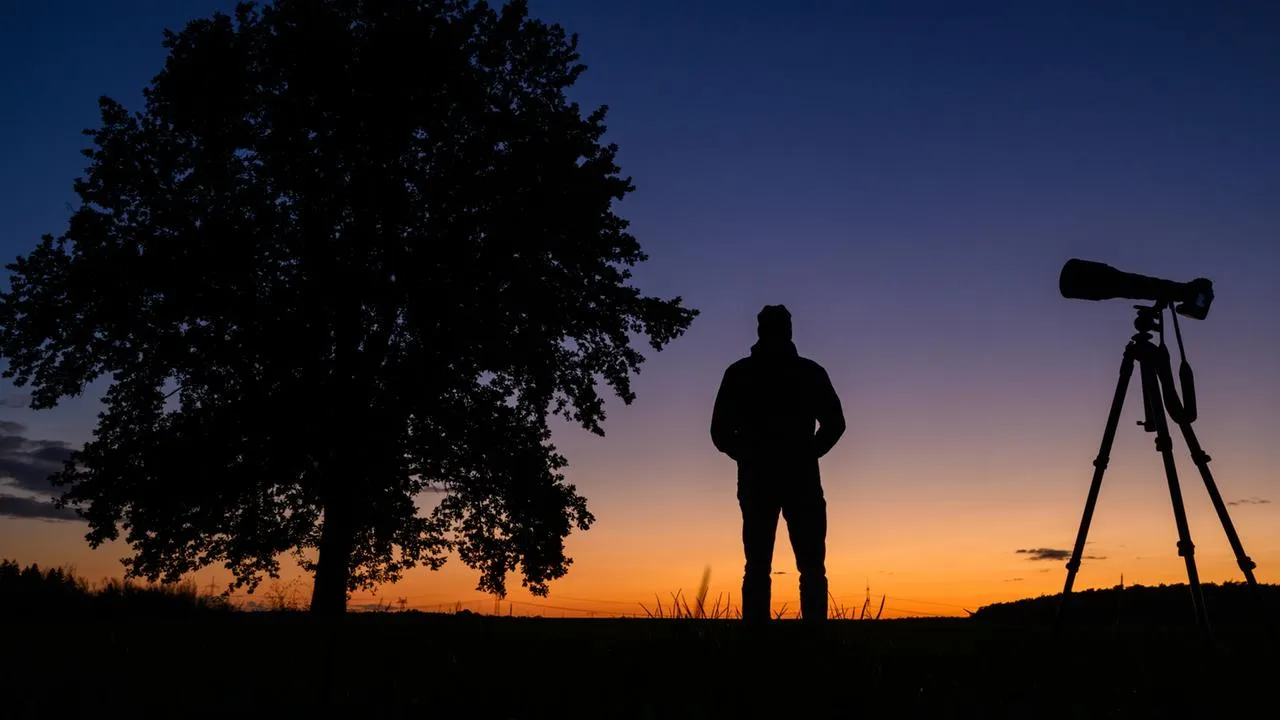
{"x":678,"y":607}
{"x":287,"y":596}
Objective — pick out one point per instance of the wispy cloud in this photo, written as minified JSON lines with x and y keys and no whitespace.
{"x":1053,"y":554}
{"x":1251,"y":501}
{"x":28,"y":463}
{"x":1045,"y":553}
{"x":30,"y":508}
{"x":15,"y":401}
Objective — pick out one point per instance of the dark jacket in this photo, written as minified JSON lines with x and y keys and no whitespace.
{"x":768,"y":404}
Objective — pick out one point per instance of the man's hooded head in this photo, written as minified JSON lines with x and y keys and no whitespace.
{"x":774,"y":324}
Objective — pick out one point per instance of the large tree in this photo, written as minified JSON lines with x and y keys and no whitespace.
{"x":350,"y":254}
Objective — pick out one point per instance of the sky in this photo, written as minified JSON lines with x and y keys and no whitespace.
{"x":908,"y":179}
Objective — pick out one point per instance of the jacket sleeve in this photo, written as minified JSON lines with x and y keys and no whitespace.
{"x":724,"y":416}
{"x":829,"y":413}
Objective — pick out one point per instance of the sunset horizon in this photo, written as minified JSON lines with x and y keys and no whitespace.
{"x":1133,"y":543}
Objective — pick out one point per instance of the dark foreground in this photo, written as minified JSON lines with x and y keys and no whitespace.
{"x":411,"y":665}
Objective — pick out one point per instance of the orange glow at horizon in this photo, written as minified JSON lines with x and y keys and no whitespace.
{"x":956,"y":553}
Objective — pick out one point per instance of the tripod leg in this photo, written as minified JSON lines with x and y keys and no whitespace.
{"x":1164,"y":444}
{"x":1099,"y":468}
{"x":1201,"y":459}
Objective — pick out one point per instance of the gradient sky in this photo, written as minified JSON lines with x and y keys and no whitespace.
{"x":908,"y":178}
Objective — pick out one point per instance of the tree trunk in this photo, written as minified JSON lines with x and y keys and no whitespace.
{"x":340,"y":485}
{"x":333,"y":566}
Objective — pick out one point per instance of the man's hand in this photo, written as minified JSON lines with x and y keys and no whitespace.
{"x":830,"y":418}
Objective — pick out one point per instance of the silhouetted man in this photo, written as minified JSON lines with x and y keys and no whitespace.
{"x":764,"y":418}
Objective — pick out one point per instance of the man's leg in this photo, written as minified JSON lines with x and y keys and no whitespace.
{"x":759,"y":528}
{"x":806,"y":514}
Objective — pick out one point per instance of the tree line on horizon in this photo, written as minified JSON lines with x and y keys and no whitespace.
{"x":1229,"y":602}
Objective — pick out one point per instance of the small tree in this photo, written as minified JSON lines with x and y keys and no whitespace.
{"x":348,"y":253}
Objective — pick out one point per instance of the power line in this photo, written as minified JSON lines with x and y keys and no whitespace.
{"x":910,"y":600}
{"x":927,"y":602}
{"x":609,"y":602}
{"x":913,"y":612}
{"x":592,"y":611}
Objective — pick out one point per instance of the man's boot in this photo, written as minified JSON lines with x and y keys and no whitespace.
{"x":755,"y":598}
{"x":813,"y":598}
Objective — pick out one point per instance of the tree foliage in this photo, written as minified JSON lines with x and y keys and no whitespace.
{"x":348,"y":253}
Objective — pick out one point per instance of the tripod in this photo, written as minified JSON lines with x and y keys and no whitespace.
{"x":1158,"y":396}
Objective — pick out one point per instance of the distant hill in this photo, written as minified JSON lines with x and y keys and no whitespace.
{"x":1141,"y":604}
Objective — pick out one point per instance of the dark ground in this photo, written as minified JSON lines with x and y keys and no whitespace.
{"x":401,"y":665}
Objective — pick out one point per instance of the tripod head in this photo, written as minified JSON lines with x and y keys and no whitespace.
{"x":1150,"y":319}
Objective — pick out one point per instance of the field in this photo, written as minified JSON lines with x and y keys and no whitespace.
{"x":402,"y":665}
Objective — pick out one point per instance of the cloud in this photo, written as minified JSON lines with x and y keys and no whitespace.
{"x":779,"y":572}
{"x":1013,"y":580}
{"x":1251,"y":501}
{"x":26,"y":463}
{"x":1053,"y":554}
{"x":15,"y":401}
{"x":31,"y":508}
{"x":1046,"y":553}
